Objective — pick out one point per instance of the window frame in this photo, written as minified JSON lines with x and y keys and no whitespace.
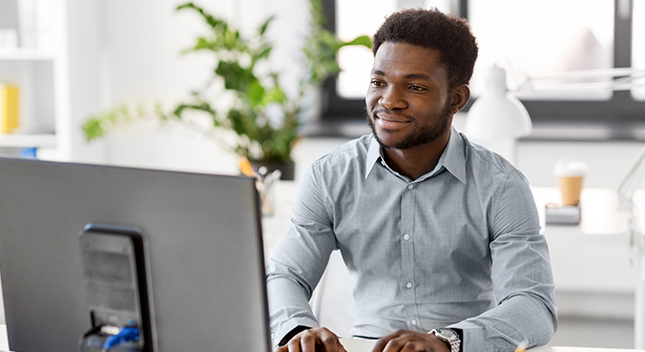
{"x":621,"y":117}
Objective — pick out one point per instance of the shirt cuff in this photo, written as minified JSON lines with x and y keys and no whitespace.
{"x":472,"y":338}
{"x":291,"y":324}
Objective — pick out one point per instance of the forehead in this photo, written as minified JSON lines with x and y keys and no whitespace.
{"x":404,"y":59}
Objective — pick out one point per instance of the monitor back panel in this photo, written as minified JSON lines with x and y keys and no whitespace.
{"x":203,"y":241}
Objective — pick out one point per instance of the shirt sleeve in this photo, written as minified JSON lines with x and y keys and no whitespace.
{"x":300,"y":260}
{"x":521,"y":274}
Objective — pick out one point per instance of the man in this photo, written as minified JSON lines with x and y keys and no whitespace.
{"x":441,"y":236}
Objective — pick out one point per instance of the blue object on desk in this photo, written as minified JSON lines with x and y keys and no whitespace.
{"x":127,"y":334}
{"x":28,"y":153}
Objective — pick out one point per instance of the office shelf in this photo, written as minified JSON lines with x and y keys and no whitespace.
{"x":57,"y":74}
{"x":28,"y":140}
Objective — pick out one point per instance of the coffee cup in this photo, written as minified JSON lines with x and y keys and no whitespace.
{"x":570,"y":174}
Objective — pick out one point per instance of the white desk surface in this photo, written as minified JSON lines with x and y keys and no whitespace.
{"x":362,"y":345}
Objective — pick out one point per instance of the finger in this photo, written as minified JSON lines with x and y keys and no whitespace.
{"x":341,"y":348}
{"x":308,"y":342}
{"x":330,"y":341}
{"x":380,"y":344}
{"x":293,"y":345}
{"x":395,"y":345}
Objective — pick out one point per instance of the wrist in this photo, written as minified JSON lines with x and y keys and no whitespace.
{"x":298,"y":329}
{"x":451,"y":337}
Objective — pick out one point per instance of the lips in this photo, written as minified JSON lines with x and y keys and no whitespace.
{"x":390,"y":122}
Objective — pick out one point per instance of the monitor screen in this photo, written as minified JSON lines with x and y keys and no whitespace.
{"x":203,"y":249}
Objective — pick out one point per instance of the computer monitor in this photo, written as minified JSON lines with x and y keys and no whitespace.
{"x":203,"y":242}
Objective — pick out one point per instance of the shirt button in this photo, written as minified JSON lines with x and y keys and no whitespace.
{"x":406,"y":237}
{"x":414,"y":322}
{"x":410,"y":186}
{"x":409,"y":284}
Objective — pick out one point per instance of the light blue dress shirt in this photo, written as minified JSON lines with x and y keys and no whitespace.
{"x":458,"y":247}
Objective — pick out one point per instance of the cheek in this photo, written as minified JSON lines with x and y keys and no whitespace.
{"x":370,"y":100}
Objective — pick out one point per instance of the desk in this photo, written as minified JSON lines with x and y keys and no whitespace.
{"x":578,"y":349}
{"x":595,"y":255}
{"x":360,"y":345}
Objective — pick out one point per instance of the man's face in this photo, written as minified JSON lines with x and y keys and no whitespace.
{"x":408,"y":100}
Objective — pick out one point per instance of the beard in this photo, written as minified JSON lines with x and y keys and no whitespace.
{"x":421,"y":134}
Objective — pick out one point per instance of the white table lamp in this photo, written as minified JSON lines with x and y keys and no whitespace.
{"x":497,"y":119}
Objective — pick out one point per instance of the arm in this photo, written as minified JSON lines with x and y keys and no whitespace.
{"x":521,"y":274}
{"x":299,"y":261}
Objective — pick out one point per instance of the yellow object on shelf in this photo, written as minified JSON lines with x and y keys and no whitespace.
{"x":246,"y":168}
{"x":9,"y":108}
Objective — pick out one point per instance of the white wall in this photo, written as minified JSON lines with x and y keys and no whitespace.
{"x":141,"y":64}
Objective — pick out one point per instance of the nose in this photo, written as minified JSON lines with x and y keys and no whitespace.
{"x":392,"y":98}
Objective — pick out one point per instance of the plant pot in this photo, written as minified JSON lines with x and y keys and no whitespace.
{"x":287,"y":168}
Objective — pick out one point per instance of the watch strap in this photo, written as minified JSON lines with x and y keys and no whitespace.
{"x":453,"y":341}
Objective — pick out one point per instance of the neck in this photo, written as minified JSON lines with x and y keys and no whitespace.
{"x":417,"y":161}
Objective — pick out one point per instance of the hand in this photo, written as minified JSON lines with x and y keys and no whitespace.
{"x":313,"y":340}
{"x":410,"y":341}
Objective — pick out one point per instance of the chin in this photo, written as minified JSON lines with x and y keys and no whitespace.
{"x":386,"y":140}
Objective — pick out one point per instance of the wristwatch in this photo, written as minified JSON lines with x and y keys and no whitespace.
{"x":448,"y":336}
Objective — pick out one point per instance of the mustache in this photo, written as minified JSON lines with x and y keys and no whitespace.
{"x":386,"y":111}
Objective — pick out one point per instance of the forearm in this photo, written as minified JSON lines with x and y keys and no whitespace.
{"x":288,"y":306}
{"x":522,"y":317}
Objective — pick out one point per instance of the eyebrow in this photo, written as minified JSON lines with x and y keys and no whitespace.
{"x":408,"y":76}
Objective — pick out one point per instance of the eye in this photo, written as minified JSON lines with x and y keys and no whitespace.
{"x":376,"y":83}
{"x":416,"y":88}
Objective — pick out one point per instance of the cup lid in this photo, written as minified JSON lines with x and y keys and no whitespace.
{"x":569,"y":168}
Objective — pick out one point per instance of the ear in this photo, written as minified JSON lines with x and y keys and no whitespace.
{"x":460,"y":96}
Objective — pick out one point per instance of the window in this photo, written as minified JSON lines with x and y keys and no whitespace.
{"x":638,"y":47}
{"x":543,"y":39}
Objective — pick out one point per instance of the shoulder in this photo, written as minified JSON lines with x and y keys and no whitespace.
{"x":490,"y":172}
{"x":484,"y":162}
{"x":352,"y":154}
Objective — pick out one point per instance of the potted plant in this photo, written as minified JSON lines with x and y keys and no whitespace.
{"x":264,"y":118}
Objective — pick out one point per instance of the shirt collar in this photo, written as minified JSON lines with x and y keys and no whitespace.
{"x":373,"y":155}
{"x":452,"y":159}
{"x":454,"y":156}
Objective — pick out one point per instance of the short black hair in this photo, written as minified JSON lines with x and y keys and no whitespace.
{"x":449,"y":34}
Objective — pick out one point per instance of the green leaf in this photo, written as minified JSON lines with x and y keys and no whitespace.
{"x":92,"y":129}
{"x":265,"y":25}
{"x":360,"y":40}
{"x":255,"y":93}
{"x":274,"y":95}
{"x":212,"y":21}
{"x":264,"y":53}
{"x":235,"y":76}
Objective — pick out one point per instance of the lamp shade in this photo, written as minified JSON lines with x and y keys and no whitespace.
{"x":496,"y":113}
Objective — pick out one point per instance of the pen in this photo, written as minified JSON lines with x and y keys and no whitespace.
{"x":521,"y":347}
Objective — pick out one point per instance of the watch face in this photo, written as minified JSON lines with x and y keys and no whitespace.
{"x":447,"y":333}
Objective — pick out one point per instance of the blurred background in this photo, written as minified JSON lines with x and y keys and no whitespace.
{"x":72,"y":60}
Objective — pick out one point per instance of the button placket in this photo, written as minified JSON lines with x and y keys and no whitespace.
{"x":407,"y":253}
